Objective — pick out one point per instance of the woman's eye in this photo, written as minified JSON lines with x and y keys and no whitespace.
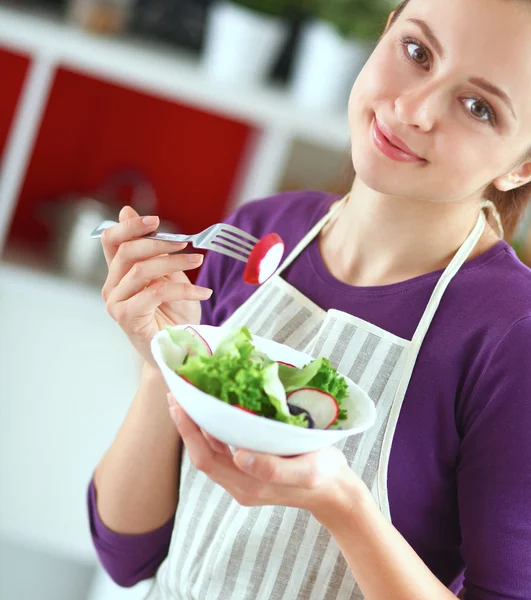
{"x":480,"y":110}
{"x":418,"y":53}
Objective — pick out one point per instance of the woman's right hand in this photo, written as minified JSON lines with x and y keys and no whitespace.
{"x":146,"y":287}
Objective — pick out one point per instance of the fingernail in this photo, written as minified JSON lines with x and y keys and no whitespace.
{"x":247,"y":460}
{"x":150,"y":220}
{"x":171,"y":399}
{"x":205,"y":293}
{"x":194,"y":258}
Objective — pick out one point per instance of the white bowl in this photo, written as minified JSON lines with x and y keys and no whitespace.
{"x":240,"y":429}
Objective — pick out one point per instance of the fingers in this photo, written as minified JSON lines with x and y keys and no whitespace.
{"x":308,"y":471}
{"x":125,"y":231}
{"x":201,"y":446}
{"x":142,"y":305}
{"x":199,"y":450}
{"x":136,"y":251}
{"x":127,"y":212}
{"x":147,"y":273}
{"x":217,"y":446}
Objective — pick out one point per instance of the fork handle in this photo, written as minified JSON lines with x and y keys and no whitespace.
{"x":170,"y":237}
{"x":164,"y":237}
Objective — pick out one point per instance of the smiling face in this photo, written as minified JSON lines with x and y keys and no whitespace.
{"x":452,"y":81}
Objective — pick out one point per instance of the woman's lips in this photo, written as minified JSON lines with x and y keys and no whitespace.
{"x":391,"y":149}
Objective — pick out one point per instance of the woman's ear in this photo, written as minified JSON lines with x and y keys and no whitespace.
{"x":515,"y":179}
{"x":390,"y":21}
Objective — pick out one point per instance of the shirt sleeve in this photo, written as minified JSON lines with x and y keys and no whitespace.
{"x":128,"y":559}
{"x":131,"y":559}
{"x":494,"y":475}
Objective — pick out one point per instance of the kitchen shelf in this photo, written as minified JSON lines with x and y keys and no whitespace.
{"x":159,"y":70}
{"x":164,"y":70}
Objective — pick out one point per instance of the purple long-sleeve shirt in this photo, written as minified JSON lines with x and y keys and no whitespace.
{"x":459,"y":478}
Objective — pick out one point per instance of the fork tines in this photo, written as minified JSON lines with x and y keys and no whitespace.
{"x":234,"y":242}
{"x":230,"y":229}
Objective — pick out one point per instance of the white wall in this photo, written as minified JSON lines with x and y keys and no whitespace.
{"x":103,"y":588}
{"x":27,"y":573}
{"x":67,"y":377}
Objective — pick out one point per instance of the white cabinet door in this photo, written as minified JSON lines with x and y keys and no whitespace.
{"x":67,"y":377}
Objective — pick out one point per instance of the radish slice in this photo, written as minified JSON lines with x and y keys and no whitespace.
{"x":323,"y":407}
{"x":264,"y":259}
{"x":295,"y":410}
{"x":280,"y":362}
{"x":199,"y":338}
{"x":247,"y":410}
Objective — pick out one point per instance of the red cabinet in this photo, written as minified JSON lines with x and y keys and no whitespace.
{"x":13,"y":68}
{"x":91,"y":128}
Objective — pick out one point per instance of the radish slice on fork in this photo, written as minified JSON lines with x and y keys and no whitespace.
{"x":264,"y":259}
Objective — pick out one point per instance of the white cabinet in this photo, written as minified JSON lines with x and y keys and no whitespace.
{"x":67,"y":377}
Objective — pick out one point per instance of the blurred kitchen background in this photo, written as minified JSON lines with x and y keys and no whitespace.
{"x":184,"y":109}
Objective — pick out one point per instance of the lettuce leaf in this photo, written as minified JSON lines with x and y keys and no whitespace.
{"x":238,"y":343}
{"x":319,"y":374}
{"x":240,"y":375}
{"x":274,"y":389}
{"x":185,"y":339}
{"x":295,"y":379}
{"x":329,"y":380}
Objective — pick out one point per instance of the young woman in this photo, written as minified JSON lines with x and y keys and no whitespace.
{"x":409,"y":287}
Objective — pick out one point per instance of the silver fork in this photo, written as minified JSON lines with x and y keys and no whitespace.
{"x":222,"y":238}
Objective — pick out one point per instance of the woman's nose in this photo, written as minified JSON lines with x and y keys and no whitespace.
{"x":419,"y":106}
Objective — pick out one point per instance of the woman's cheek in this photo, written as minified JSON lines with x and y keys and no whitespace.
{"x":380,"y":79}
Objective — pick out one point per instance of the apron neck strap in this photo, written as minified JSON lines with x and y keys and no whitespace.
{"x":490,"y":205}
{"x":310,"y":236}
{"x":450,"y":272}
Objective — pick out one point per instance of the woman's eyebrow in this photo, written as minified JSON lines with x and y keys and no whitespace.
{"x":478,"y":81}
{"x":432,"y":38}
{"x":489,"y":87}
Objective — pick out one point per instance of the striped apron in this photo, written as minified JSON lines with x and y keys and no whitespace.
{"x":221,"y":550}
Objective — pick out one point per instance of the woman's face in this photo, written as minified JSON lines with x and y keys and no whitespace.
{"x":438,"y":97}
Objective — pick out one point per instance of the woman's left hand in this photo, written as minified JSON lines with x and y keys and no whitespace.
{"x":310,"y":481}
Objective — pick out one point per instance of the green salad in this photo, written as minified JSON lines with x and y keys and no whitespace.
{"x":239,"y":374}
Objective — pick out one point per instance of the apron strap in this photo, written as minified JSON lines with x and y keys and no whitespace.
{"x":496,"y":215}
{"x":451,"y":270}
{"x":309,"y":237}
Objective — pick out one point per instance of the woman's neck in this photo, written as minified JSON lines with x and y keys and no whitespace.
{"x":377,"y":240}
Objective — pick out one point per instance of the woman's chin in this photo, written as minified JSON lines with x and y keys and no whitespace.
{"x":380,"y":178}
